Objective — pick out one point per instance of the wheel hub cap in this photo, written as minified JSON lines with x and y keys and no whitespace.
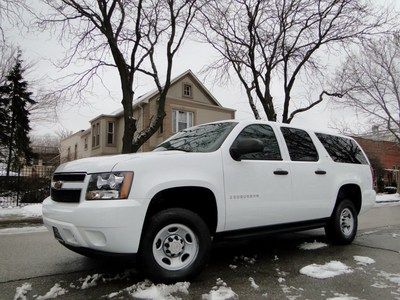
{"x":174,"y":245}
{"x":346,"y":222}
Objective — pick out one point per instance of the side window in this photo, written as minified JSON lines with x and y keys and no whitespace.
{"x":300,"y":145}
{"x":265,"y":134}
{"x":341,"y":149}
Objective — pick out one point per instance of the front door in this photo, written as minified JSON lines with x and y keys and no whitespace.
{"x":258,"y":187}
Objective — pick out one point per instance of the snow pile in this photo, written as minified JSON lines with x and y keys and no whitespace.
{"x":395,"y":278}
{"x":54,"y":292}
{"x":233,"y":267}
{"x":253,"y":284}
{"x":147,"y":290}
{"x":387,"y":198}
{"x":339,"y":296}
{"x":363,"y":260}
{"x":90,"y":281}
{"x":245,"y":259}
{"x":220,"y":292}
{"x":312,"y":246}
{"x":21,"y":291}
{"x":395,"y":235}
{"x":20,"y":230}
{"x":161,"y":291}
{"x":27,"y":211}
{"x":330,"y":269}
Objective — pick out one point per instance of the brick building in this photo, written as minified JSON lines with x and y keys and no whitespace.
{"x":384,"y":157}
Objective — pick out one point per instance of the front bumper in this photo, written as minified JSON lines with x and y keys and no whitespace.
{"x":112,"y":226}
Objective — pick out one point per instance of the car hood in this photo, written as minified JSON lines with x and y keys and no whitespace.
{"x":107,"y":163}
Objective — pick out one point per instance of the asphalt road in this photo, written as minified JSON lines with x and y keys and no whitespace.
{"x":274,"y":264}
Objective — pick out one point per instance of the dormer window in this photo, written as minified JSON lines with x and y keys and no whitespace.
{"x":187,"y":90}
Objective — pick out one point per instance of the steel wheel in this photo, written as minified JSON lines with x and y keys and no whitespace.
{"x":346,"y":222}
{"x":175,"y":247}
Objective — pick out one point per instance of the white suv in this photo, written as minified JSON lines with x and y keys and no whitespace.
{"x":217,"y":180}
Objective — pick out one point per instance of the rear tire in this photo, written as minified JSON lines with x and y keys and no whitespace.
{"x":342,"y":227}
{"x":175,"y":246}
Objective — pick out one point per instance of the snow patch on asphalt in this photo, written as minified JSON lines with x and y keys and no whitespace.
{"x":387,"y":197}
{"x":161,"y":291}
{"x":253,"y":284}
{"x":54,"y":292}
{"x":395,"y":278}
{"x":363,"y":260}
{"x":339,"y":296}
{"x":21,"y":291}
{"x":147,"y":290}
{"x":90,"y":281}
{"x":312,"y":246}
{"x":328,"y":270}
{"x":27,"y":211}
{"x":220,"y":292}
{"x":22,"y":230}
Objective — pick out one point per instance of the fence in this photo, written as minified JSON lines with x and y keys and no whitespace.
{"x":31,"y":184}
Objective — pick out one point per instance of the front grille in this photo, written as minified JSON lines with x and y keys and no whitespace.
{"x":67,"y":187}
{"x":70,"y":196}
{"x":67,"y":177}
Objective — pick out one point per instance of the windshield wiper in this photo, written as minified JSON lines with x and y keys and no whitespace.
{"x":177,"y":149}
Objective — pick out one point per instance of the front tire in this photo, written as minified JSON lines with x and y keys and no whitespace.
{"x":342,"y":227}
{"x":175,"y":245}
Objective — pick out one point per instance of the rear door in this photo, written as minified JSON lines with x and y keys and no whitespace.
{"x":311,"y":179}
{"x":258,"y":187}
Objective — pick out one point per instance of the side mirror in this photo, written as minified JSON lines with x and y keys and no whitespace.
{"x":246,"y":146}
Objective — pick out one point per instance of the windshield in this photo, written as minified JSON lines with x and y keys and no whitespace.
{"x":203,"y":138}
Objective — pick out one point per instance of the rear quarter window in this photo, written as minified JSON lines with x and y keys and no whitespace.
{"x":342,"y":150}
{"x":299,"y":144}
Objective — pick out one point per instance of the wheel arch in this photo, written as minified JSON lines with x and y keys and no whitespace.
{"x":352,"y":192}
{"x":198,"y":199}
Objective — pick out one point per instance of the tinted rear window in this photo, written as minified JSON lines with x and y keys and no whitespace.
{"x":300,"y":145}
{"x":341,"y":149}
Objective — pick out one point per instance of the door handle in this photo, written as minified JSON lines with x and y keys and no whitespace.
{"x":320,"y":172}
{"x":281,"y":172}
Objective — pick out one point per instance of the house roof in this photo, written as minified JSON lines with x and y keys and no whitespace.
{"x":145,"y":98}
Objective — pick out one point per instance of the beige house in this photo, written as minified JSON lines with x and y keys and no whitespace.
{"x":188,"y":103}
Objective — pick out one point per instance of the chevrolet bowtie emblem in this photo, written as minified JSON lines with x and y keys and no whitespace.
{"x":57,"y":185}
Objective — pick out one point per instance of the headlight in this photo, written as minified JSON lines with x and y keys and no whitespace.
{"x":115,"y":185}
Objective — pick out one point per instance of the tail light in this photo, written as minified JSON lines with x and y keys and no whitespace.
{"x":373,"y":177}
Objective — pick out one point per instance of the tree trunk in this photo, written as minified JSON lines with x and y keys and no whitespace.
{"x":129,"y":122}
{"x":10,"y":144}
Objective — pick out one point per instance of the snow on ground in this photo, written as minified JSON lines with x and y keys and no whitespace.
{"x":253,"y":284}
{"x":387,"y":197}
{"x":339,"y":296}
{"x":21,"y":230}
{"x":90,"y":281}
{"x":233,"y":267}
{"x":363,"y":260}
{"x":220,"y":292}
{"x":330,"y":269}
{"x":21,"y":291}
{"x":147,"y":290}
{"x":394,"y":278}
{"x":312,"y":246}
{"x":54,"y":292}
{"x":27,"y":211}
{"x":161,"y":291}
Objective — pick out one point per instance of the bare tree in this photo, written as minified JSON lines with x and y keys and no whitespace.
{"x":370,"y":82}
{"x":264,"y":41}
{"x":130,"y":36}
{"x":11,"y":12}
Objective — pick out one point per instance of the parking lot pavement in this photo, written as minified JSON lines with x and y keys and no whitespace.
{"x":269,"y":267}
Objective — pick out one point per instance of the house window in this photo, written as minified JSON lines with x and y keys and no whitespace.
{"x":110,"y":132}
{"x":76,"y":151}
{"x":69,"y":154}
{"x":96,"y":135}
{"x":181,"y":120}
{"x":187,"y":90}
{"x":86,"y":143}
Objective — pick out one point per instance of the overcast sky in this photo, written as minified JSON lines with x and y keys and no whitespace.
{"x":44,"y":49}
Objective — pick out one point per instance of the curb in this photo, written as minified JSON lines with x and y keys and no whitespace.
{"x":37,"y":220}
